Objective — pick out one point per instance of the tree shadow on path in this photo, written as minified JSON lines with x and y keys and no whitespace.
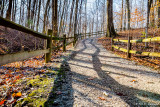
{"x":126,"y":93}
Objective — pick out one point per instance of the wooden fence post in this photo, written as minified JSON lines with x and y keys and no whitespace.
{"x":49,"y":46}
{"x":64,"y":42}
{"x":77,"y":37}
{"x":74,"y":42}
{"x":146,"y":36}
{"x":129,"y":45}
{"x":81,"y":36}
{"x":112,"y":43}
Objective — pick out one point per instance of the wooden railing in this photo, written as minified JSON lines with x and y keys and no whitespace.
{"x":129,"y":45}
{"x":20,"y":56}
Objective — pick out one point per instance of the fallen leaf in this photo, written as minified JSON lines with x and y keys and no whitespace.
{"x":101,"y":98}
{"x":17,"y":77}
{"x":14,"y":94}
{"x":7,"y":79}
{"x":133,"y":81}
{"x":2,"y":102}
{"x":14,"y":81}
{"x":10,"y":71}
{"x":19,"y":94}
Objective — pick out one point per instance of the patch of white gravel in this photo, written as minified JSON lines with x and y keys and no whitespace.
{"x":96,"y":70}
{"x":98,"y":78}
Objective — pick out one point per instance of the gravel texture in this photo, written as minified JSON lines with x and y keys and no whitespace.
{"x":98,"y":78}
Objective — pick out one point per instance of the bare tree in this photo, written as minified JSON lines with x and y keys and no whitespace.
{"x":55,"y":17}
{"x":71,"y":15}
{"x":2,"y":7}
{"x":128,"y":14}
{"x":8,"y":14}
{"x":122,"y":17}
{"x":61,"y":19}
{"x":33,"y":13}
{"x":159,"y":14}
{"x":45,"y":16}
{"x":125,"y":19}
{"x":39,"y":8}
{"x":29,"y":9}
{"x":148,"y":12}
{"x":75,"y":21}
{"x":110,"y":26}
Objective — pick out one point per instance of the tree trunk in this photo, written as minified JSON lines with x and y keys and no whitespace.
{"x":128,"y":13}
{"x":2,"y":7}
{"x":97,"y":23}
{"x":45,"y":16}
{"x":159,"y":14}
{"x":92,"y":25}
{"x":125,"y":19}
{"x":61,"y":20}
{"x":110,"y":26}
{"x":20,"y":13}
{"x":8,"y":14}
{"x":80,"y":18}
{"x":13,"y":6}
{"x":66,"y":15}
{"x":39,"y":8}
{"x":55,"y":17}
{"x":147,"y":24}
{"x":28,"y":17}
{"x":22,"y":20}
{"x":75,"y":21}
{"x":71,"y":15}
{"x":35,"y":15}
{"x":32,"y":14}
{"x":15,"y":11}
{"x":121,"y":18}
{"x":85,"y":18}
{"x":148,"y":11}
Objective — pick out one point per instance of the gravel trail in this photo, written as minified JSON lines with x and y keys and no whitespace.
{"x":96,"y":72}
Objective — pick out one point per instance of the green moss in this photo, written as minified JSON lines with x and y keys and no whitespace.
{"x":44,"y":84}
{"x":29,"y":99}
{"x":51,"y":72}
{"x":40,"y":102}
{"x":34,"y":82}
{"x":33,"y":93}
{"x":40,"y":81}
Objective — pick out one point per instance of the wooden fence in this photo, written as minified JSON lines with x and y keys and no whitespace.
{"x":20,"y":56}
{"x":129,"y":45}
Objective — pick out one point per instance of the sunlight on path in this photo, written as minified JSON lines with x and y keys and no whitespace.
{"x":97,"y":71}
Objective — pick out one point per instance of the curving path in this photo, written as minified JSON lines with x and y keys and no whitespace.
{"x":96,"y":70}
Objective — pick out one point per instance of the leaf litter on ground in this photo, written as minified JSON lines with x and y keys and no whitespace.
{"x":14,"y":79}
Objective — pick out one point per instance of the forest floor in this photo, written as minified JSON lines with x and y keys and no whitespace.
{"x":31,"y":82}
{"x":96,"y":77}
{"x":153,"y":62}
{"x":93,"y":75}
